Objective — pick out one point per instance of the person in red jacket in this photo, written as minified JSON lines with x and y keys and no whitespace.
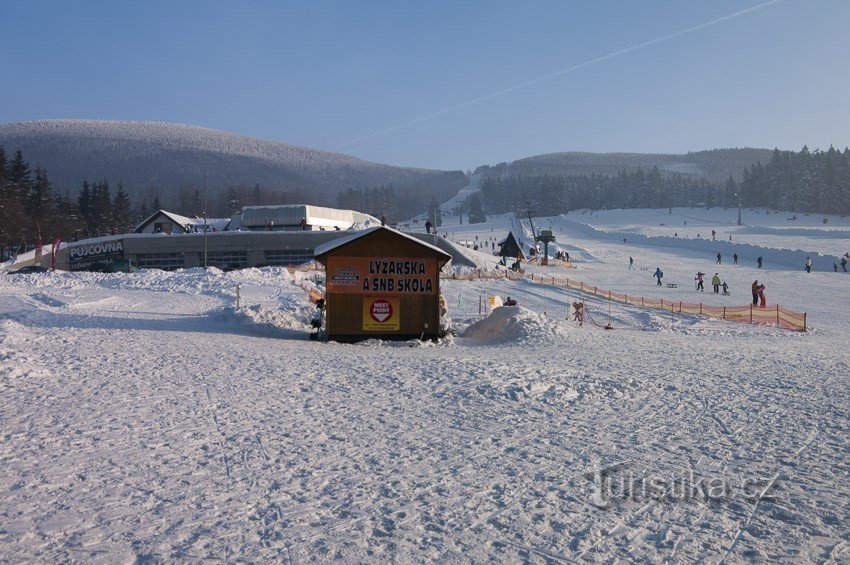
{"x":756,"y":293}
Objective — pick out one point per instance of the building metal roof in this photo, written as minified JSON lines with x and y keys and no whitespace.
{"x":326,"y":248}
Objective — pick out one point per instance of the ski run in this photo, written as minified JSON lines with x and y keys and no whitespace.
{"x":145,"y":417}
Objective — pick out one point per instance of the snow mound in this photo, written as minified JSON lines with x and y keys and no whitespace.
{"x":280,"y":322}
{"x":513,"y":324}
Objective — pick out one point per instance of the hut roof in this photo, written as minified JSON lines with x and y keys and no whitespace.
{"x":335,"y":244}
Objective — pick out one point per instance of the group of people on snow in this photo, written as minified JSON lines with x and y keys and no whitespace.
{"x":716,"y":283}
{"x":562,"y":256}
{"x":759,"y":298}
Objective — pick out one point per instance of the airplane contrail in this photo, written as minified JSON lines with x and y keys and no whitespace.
{"x":576,"y":67}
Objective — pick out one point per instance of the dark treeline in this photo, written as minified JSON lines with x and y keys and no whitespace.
{"x":375,"y":201}
{"x":385,"y":199}
{"x":802,"y":181}
{"x":32,"y":209}
{"x":550,"y":195}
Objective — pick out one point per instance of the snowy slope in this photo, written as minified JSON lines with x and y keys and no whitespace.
{"x":145,"y":418}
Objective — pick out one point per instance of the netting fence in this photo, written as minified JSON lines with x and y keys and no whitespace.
{"x":774,"y":315}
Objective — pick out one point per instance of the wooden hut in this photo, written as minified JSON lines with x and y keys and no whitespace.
{"x":381,"y":283}
{"x":509,"y":247}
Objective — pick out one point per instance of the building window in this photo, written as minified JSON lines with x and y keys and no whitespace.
{"x":226,"y":259}
{"x":288,"y":257}
{"x":162,"y":227}
{"x":164,"y":261}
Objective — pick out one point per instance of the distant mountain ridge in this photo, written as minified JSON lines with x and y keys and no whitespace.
{"x":165,"y":155}
{"x":713,"y":164}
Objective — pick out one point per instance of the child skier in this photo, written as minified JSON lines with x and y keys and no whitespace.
{"x":700,"y":279}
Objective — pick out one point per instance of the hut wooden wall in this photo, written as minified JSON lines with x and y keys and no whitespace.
{"x":345,"y":311}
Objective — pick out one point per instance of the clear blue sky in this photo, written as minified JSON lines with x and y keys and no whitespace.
{"x":321,"y":74}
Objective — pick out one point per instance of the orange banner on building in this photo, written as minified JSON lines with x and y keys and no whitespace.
{"x":388,"y":276}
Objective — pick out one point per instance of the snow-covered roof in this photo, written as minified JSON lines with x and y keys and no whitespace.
{"x":345,"y":240}
{"x":183,"y":220}
{"x":292,"y":214}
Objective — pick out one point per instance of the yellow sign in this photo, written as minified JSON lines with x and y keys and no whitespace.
{"x":393,"y":276}
{"x":380,"y":313}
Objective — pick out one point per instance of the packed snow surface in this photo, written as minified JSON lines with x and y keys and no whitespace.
{"x":145,"y":417}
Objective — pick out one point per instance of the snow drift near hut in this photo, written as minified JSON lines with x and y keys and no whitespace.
{"x":512,"y":324}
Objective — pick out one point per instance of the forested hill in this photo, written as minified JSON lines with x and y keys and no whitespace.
{"x":712,"y":165}
{"x":164,"y":158}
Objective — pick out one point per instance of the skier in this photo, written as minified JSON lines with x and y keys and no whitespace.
{"x":700,"y":278}
{"x":658,"y":274}
{"x":755,"y":293}
{"x":713,"y":235}
{"x":808,"y":264}
{"x":428,"y":227}
{"x":718,"y":259}
{"x":735,"y":258}
{"x":715,"y":282}
{"x":762,"y":297}
{"x":725,"y":288}
{"x":632,"y":264}
{"x":759,"y":261}
{"x":844,"y":263}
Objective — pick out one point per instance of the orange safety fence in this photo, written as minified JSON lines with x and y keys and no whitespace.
{"x":775,"y":315}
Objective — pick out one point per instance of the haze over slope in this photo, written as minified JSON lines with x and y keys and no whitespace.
{"x":168,"y":156}
{"x":713,"y":164}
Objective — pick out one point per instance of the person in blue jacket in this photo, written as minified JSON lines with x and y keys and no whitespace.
{"x":658,"y":274}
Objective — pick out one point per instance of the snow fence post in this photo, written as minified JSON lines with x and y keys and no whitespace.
{"x":724,"y":312}
{"x":680,"y":307}
{"x":751,"y":313}
{"x":805,"y":327}
{"x":777,"y":314}
{"x":700,"y":308}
